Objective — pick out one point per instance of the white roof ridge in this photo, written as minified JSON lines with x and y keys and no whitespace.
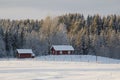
{"x":63,"y":47}
{"x":25,"y":51}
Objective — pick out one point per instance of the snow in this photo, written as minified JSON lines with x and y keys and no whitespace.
{"x":78,"y":58}
{"x":25,"y":51}
{"x":61,"y":67}
{"x":63,"y":47}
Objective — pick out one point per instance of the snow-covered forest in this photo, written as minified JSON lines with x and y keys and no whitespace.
{"x":94,"y":35}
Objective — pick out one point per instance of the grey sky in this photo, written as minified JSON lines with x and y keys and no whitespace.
{"x":37,"y":9}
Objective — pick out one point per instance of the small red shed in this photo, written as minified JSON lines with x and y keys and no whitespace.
{"x":62,"y":49}
{"x":25,"y":53}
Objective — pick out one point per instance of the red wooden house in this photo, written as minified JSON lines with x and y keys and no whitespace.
{"x":61,"y":49}
{"x":25,"y":53}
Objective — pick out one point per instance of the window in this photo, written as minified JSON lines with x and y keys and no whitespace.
{"x":68,"y":52}
{"x":60,"y":52}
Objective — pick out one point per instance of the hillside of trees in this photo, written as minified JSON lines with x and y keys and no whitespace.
{"x":94,"y":35}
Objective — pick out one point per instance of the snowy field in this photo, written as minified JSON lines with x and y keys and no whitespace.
{"x":60,"y":68}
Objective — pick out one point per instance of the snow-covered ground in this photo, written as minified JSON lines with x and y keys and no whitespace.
{"x":60,"y":68}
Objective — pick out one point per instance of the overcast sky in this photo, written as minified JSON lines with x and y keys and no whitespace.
{"x":37,"y":9}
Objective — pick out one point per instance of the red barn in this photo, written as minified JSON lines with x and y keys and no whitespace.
{"x":25,"y":53}
{"x":61,"y":49}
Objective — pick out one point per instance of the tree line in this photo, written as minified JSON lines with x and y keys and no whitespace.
{"x":94,"y":35}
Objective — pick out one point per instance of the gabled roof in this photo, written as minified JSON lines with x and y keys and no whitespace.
{"x":63,"y":47}
{"x":24,"y":51}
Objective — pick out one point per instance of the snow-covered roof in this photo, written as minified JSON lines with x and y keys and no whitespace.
{"x":24,"y":51}
{"x":63,"y":47}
